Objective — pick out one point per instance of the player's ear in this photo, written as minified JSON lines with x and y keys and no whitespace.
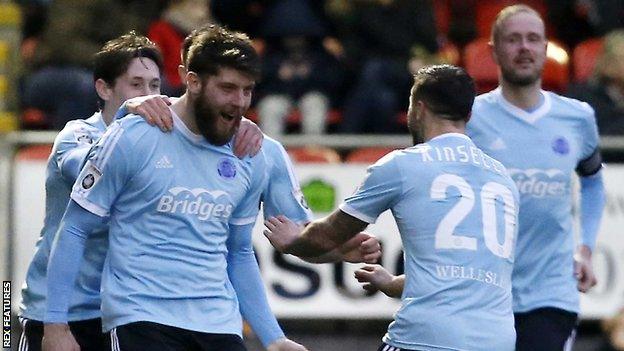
{"x":193,"y":82}
{"x":182,"y":73}
{"x":420,"y":108}
{"x":103,"y":90}
{"x":492,"y":47}
{"x":468,"y":116}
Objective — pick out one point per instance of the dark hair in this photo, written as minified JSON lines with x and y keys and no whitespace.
{"x":188,"y":41}
{"x":448,"y":91}
{"x":115,"y":57}
{"x":216,"y":47}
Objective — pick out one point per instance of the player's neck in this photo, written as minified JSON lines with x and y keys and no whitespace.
{"x":524,"y":97}
{"x":108,"y":114}
{"x":184,"y":109}
{"x":433,"y":130}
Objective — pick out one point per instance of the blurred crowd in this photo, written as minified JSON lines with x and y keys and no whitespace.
{"x":333,"y":66}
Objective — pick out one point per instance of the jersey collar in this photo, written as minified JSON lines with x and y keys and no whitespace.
{"x":529,"y":117}
{"x":97,"y":121}
{"x":448,"y":135}
{"x":181,"y":126}
{"x":194,"y":138}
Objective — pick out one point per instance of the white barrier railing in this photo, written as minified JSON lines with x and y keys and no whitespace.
{"x":295,"y":288}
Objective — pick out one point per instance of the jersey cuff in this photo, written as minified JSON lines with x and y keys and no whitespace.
{"x":243,"y":221}
{"x":355,"y":213}
{"x":89,"y":206}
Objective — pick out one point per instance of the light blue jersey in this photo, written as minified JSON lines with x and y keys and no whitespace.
{"x":456,"y":210}
{"x":70,"y":147}
{"x":171,"y":198}
{"x":541,"y":150}
{"x":283,"y":195}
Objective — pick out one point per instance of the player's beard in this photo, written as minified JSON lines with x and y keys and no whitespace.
{"x":207,"y":119}
{"x":416,"y":130}
{"x":520,"y":81}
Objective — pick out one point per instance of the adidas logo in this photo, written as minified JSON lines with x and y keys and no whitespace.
{"x":164,"y":163}
{"x":498,"y":144}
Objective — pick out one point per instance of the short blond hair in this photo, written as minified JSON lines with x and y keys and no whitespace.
{"x":507,"y":12}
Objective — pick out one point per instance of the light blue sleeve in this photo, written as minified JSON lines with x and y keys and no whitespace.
{"x":245,"y":276}
{"x":65,"y":259}
{"x":380,"y":190}
{"x":590,"y":138}
{"x":121,"y":112}
{"x":247,"y":210}
{"x":71,"y":148}
{"x":592,"y":205}
{"x":108,"y":168}
{"x":283,"y":195}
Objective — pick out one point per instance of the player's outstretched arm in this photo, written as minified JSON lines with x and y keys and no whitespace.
{"x":362,"y":248}
{"x":318,"y":237}
{"x":375,"y":277}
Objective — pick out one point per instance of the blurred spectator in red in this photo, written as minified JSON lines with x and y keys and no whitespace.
{"x":605,"y":90}
{"x":59,"y":82}
{"x":383,"y":36}
{"x":177,"y":20}
{"x":297,"y":70}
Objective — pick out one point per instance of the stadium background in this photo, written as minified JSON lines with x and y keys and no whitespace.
{"x":320,"y":306}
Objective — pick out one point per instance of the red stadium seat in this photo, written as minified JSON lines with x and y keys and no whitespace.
{"x":480,"y":65}
{"x":368,"y":154}
{"x":313,"y":154}
{"x":584,"y":58}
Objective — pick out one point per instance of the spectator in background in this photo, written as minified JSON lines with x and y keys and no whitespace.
{"x":240,"y":15}
{"x":177,"y":20}
{"x":577,"y":20}
{"x":61,"y":83}
{"x":297,"y":70}
{"x":384,"y":36}
{"x":605,"y":90}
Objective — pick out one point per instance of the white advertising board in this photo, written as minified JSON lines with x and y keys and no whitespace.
{"x":297,"y":289}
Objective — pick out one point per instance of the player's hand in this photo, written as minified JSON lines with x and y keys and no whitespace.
{"x":285,"y":344}
{"x":281,"y":232}
{"x":154,"y":109}
{"x":362,"y":248}
{"x":58,"y":337}
{"x":248,"y":139}
{"x":375,"y":277}
{"x":583,"y":270}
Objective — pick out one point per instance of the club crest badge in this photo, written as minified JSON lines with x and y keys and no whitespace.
{"x":561,"y":146}
{"x":226,"y":168}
